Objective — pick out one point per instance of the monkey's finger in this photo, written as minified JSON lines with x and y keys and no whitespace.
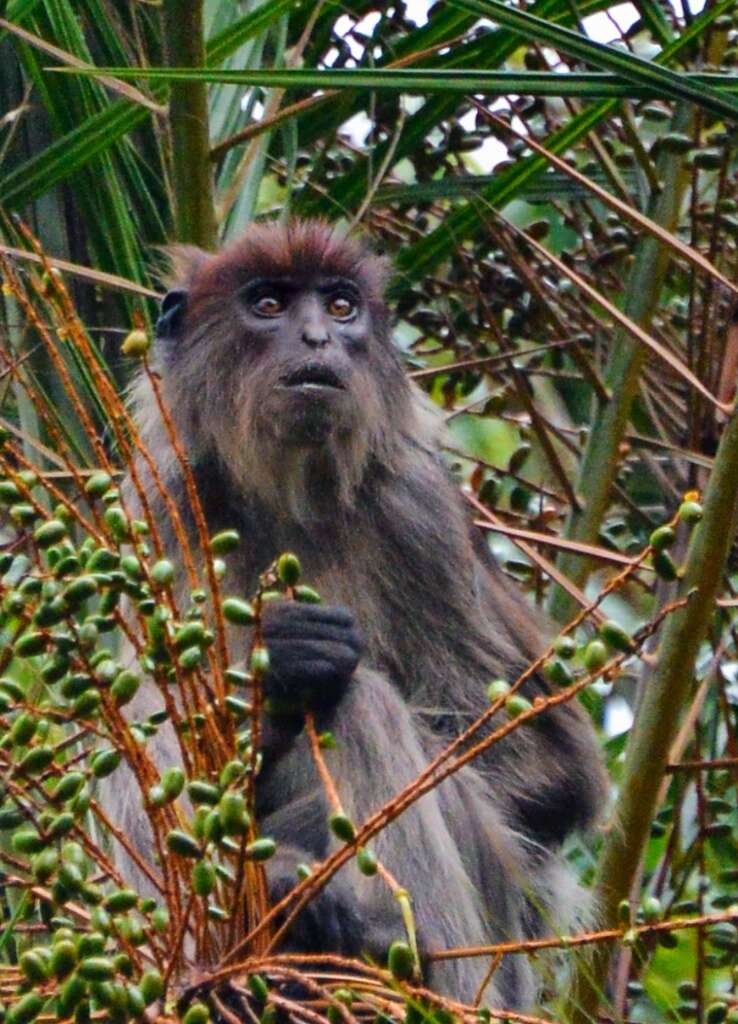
{"x":297,"y":655}
{"x":314,"y":684}
{"x":344,"y":636}
{"x":317,"y":690}
{"x":308,"y":627}
{"x":280,"y":613}
{"x":310,"y":680}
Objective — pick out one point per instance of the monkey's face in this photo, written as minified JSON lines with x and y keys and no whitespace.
{"x":309,"y":359}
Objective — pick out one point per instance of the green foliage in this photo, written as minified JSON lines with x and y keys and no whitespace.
{"x":513,"y":274}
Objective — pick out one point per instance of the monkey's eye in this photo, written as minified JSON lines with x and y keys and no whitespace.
{"x":342,"y":307}
{"x":268,"y":305}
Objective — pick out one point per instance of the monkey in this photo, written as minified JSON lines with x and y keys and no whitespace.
{"x":277,"y":364}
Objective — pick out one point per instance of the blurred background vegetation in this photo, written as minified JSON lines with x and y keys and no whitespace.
{"x":556,"y":183}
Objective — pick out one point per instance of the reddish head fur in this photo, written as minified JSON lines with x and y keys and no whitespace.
{"x":301,"y":249}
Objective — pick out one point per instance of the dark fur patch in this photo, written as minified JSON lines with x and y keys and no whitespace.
{"x":172,"y":312}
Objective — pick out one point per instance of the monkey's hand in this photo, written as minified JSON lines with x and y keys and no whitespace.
{"x":313,"y":652}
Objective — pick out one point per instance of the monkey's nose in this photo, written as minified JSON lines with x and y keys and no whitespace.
{"x":315,"y":335}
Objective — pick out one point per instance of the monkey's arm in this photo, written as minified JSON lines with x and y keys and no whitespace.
{"x":313,"y":652}
{"x":554,"y":775}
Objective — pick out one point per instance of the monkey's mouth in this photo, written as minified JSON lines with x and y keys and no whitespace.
{"x":313,"y":376}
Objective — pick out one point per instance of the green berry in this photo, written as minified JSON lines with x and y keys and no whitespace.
{"x":716,"y":1013}
{"x":234,"y":819}
{"x":595,"y":656}
{"x":259,"y":660}
{"x":162,"y":572}
{"x":616,"y":637}
{"x":9,"y":492}
{"x":34,"y":966}
{"x":98,"y":483}
{"x":183,"y":844}
{"x":50,"y":532}
{"x":172,"y":782}
{"x":565,"y":647}
{"x":690,"y":512}
{"x":61,"y":825}
{"x":203,"y":792}
{"x":289,"y":569}
{"x":10,"y":817}
{"x":80,"y":589}
{"x":191,"y":634}
{"x":258,"y":988}
{"x":212,"y":830}
{"x":87,"y":704}
{"x":102,"y":560}
{"x":29,"y":645}
{"x":224,"y":542}
{"x":36,"y":760}
{"x":152,"y":986}
{"x":157,"y":796}
{"x":203,"y":878}
{"x":366,"y":861}
{"x":676,"y":142}
{"x":13,"y":689}
{"x":261,"y":849}
{"x":160,"y":919}
{"x":70,"y":996}
{"x":104,"y":763}
{"x":136,"y":1001}
{"x":238,"y":708}
{"x":238,"y":612}
{"x":68,"y":786}
{"x":45,"y":864}
{"x":101,"y":921}
{"x":231,"y":772}
{"x":23,"y":513}
{"x":401,"y":961}
{"x":190,"y":658}
{"x":25,"y":1010}
{"x":96,"y":968}
{"x":125,"y":686}
{"x":662,"y":537}
{"x":131,"y":567}
{"x":516,"y":705}
{"x":198,"y":1013}
{"x":342,"y":827}
{"x":23,"y":729}
{"x":557,"y":672}
{"x":116,"y":519}
{"x":121,"y":901}
{"x":497,"y":690}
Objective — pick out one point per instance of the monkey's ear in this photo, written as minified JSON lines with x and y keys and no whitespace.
{"x":173,"y":309}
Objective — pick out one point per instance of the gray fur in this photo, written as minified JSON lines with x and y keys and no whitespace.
{"x":380,"y":528}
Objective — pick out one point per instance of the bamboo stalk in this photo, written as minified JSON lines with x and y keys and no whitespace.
{"x":656,"y":725}
{"x":191,"y":170}
{"x":601,"y":458}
